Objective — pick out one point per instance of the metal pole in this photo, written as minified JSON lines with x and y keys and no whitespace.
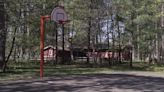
{"x":63,"y":36}
{"x":63,"y":43}
{"x":41,"y":46}
{"x":56,"y":43}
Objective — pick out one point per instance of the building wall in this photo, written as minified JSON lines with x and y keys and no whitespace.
{"x":49,"y":54}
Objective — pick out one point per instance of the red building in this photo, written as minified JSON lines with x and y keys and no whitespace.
{"x":49,"y":53}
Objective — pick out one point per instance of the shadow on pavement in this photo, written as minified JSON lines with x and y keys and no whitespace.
{"x":88,"y":83}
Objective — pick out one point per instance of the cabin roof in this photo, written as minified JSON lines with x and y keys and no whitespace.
{"x":53,"y":47}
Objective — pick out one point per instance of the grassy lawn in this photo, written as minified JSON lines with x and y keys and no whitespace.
{"x":29,"y":70}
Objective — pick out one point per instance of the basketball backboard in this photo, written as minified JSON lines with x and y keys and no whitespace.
{"x":58,"y":14}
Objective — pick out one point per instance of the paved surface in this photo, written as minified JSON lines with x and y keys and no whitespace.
{"x":114,"y":82}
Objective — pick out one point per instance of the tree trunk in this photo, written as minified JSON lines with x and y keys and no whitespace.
{"x":113,"y":38}
{"x":138,"y":46}
{"x":119,"y":42}
{"x":2,"y":34}
{"x":11,"y":50}
{"x":89,"y":39}
{"x":157,"y":44}
{"x":162,"y":40}
{"x":99,"y":41}
{"x":162,"y":53}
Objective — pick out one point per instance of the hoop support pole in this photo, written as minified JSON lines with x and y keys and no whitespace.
{"x":42,"y":44}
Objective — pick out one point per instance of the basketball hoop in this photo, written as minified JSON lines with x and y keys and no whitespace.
{"x":59,"y":15}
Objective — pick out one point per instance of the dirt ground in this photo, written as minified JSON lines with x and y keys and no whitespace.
{"x":112,"y":82}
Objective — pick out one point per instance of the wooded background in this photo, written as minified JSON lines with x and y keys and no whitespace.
{"x":108,"y":24}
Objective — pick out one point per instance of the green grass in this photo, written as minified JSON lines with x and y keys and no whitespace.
{"x":30,"y":70}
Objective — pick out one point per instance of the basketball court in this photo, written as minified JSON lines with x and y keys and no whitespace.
{"x":114,"y":82}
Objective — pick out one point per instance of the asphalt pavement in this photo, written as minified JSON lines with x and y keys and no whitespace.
{"x":112,"y":82}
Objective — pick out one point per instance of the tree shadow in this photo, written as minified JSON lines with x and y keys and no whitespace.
{"x":88,"y":83}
